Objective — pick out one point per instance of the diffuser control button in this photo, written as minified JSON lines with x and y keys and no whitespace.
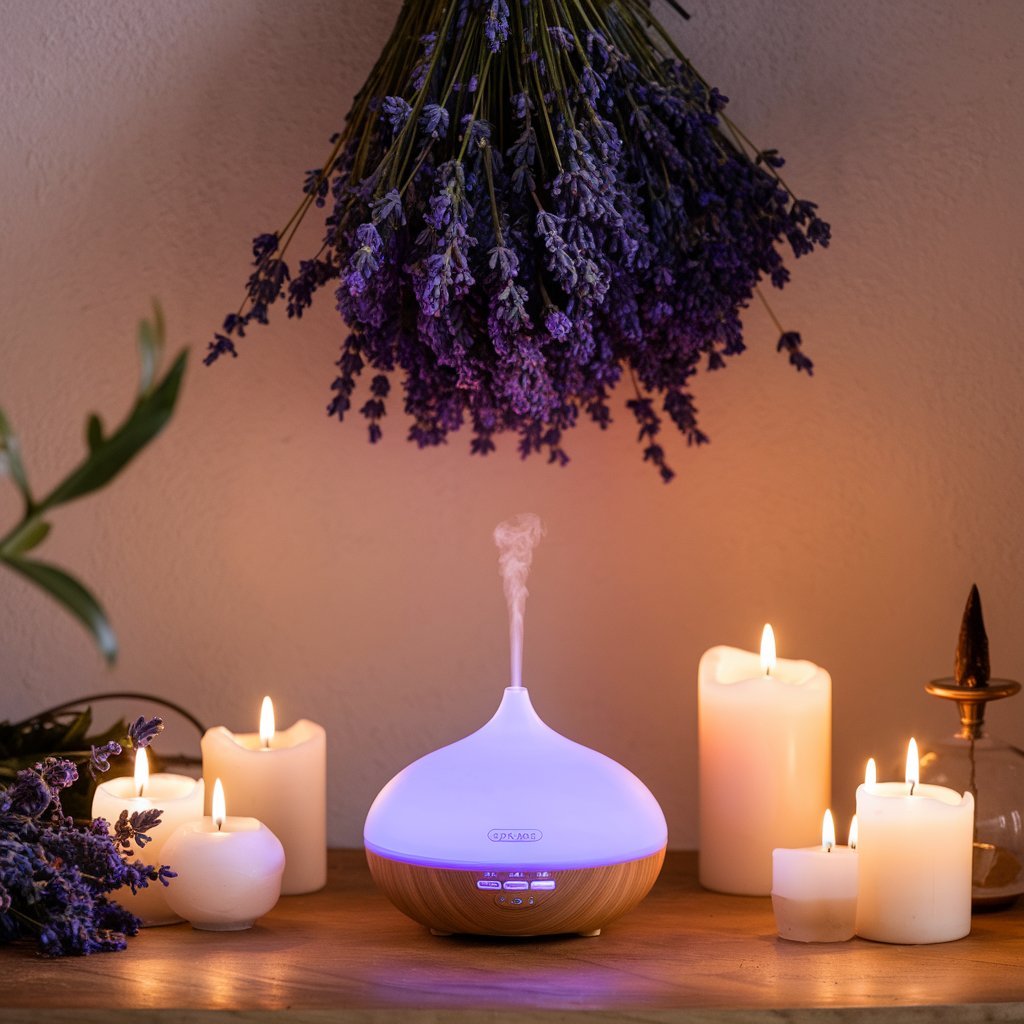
{"x":517,"y":885}
{"x":544,"y":883}
{"x":488,"y":883}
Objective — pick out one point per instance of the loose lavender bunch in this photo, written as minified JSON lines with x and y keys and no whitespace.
{"x":56,"y":876}
{"x":530,"y":202}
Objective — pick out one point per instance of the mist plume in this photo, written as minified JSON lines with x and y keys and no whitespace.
{"x":516,"y":538}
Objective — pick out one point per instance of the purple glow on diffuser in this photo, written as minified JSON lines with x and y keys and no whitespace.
{"x":515,"y":796}
{"x":516,"y":538}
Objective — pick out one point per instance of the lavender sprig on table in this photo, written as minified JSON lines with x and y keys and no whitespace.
{"x":528,"y":204}
{"x":56,"y":876}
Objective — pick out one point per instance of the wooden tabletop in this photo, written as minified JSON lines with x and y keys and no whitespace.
{"x":345,"y":954}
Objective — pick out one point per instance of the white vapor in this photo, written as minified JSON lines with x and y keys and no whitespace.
{"x":516,"y":538}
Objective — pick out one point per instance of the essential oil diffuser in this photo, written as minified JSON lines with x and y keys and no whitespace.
{"x":515,"y":830}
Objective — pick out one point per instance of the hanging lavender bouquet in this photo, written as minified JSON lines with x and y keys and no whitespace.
{"x":531,"y":201}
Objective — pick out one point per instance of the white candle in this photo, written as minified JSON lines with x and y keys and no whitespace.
{"x":765,"y":740}
{"x":281,"y":779}
{"x":179,"y":798}
{"x":916,"y":847}
{"x":229,"y":870}
{"x":814,"y":890}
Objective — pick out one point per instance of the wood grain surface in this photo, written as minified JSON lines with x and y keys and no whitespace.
{"x":345,"y":954}
{"x":449,"y":902}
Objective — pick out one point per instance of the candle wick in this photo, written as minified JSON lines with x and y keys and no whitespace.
{"x":266,"y":744}
{"x":912,"y":788}
{"x":140,"y":790}
{"x":828,"y":847}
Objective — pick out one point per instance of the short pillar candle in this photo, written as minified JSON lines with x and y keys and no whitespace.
{"x":814,"y":889}
{"x":765,"y":752}
{"x":229,"y":869}
{"x":279,"y":778}
{"x":916,"y":847}
{"x":179,"y":798}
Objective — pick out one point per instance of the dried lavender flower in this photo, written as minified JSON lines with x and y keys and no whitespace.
{"x":56,"y":875}
{"x":552,"y":200}
{"x":143,"y":731}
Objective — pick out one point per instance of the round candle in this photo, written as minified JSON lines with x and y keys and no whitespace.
{"x":179,"y":798}
{"x":229,"y":870}
{"x":916,"y":847}
{"x":765,"y":742}
{"x":814,"y":890}
{"x":279,"y":778}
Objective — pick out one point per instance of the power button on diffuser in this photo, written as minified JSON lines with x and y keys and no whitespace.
{"x":514,"y":901}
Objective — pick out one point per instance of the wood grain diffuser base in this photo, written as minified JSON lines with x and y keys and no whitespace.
{"x":515,"y":830}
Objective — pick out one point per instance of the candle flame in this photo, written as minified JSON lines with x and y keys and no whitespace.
{"x":852,"y":841}
{"x":870,"y":773}
{"x":767,"y":650}
{"x":828,"y":831}
{"x":913,"y":765}
{"x":219,"y":808}
{"x":141,"y":770}
{"x":266,"y":722}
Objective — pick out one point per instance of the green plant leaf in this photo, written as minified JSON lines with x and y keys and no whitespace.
{"x":75,"y":598}
{"x":31,"y":534}
{"x":77,"y":730}
{"x":10,"y":452}
{"x":93,"y":432}
{"x":147,"y":419}
{"x":151,"y":343}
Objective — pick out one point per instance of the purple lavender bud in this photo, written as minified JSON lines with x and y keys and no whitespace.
{"x":562,"y":37}
{"x":99,"y":757}
{"x":58,"y":772}
{"x":434,"y":120}
{"x":496,"y":24}
{"x":388,"y":208}
{"x":29,"y":795}
{"x":557,"y":324}
{"x":790,"y":341}
{"x":143,"y":731}
{"x":395,"y":111}
{"x":522,"y":105}
{"x":262,"y":247}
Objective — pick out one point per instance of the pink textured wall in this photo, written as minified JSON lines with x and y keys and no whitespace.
{"x":261,"y":548}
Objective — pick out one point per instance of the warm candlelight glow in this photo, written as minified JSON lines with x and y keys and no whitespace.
{"x":141,"y":770}
{"x":852,"y":841}
{"x":828,"y":831}
{"x":767,"y":650}
{"x":266,"y":723}
{"x":870,"y":773}
{"x":219,"y":809}
{"x":913,"y":765}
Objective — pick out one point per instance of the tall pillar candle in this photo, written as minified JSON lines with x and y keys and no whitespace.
{"x":280,"y":778}
{"x":765,"y":752}
{"x":181,"y":801}
{"x":916,"y":847}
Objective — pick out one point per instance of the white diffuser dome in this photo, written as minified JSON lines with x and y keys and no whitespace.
{"x":515,"y":830}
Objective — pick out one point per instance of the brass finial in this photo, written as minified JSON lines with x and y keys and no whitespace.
{"x":970,"y":686}
{"x":972,"y":666}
